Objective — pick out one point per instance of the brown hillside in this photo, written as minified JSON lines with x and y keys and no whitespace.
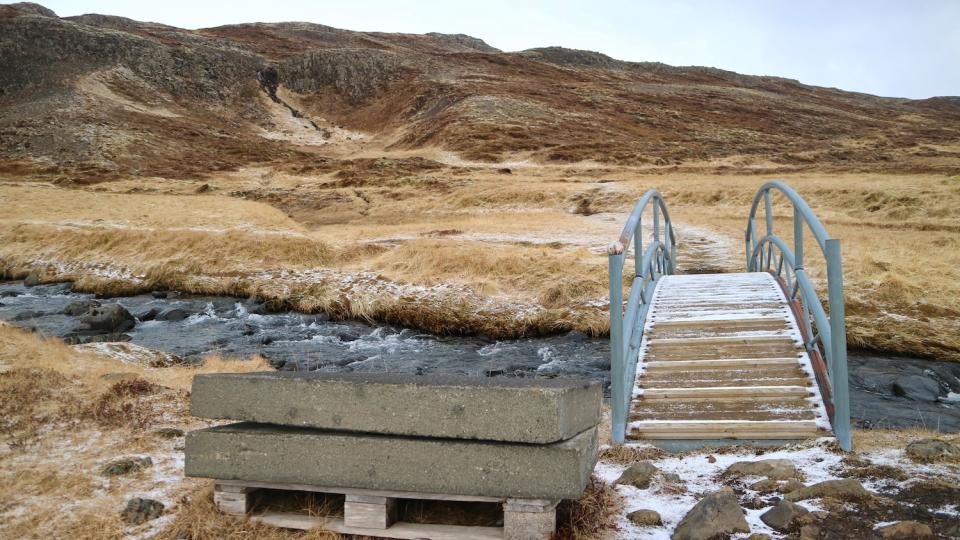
{"x":93,"y":97}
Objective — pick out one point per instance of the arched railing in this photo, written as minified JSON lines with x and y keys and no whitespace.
{"x":824,"y":335}
{"x":626,"y":327}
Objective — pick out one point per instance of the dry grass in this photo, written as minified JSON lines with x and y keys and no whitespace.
{"x":590,"y":517}
{"x":470,"y":250}
{"x":66,"y":412}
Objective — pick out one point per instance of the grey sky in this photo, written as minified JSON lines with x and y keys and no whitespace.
{"x":885,"y":47}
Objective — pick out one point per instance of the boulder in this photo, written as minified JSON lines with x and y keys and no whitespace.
{"x":638,"y":475}
{"x":111,"y":318}
{"x":767,"y":485}
{"x":917,"y":388}
{"x":782,"y":516}
{"x":928,"y":450}
{"x":80,"y":307}
{"x":645,"y":518}
{"x":715,"y":516}
{"x":148,"y":315}
{"x":774,"y":469}
{"x":905,"y":530}
{"x":140,"y":510}
{"x":173,"y":315}
{"x":126,"y":466}
{"x":846,"y":489}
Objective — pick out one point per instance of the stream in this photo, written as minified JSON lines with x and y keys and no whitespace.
{"x":886,"y":392}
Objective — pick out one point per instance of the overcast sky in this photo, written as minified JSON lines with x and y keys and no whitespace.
{"x":908,"y":48}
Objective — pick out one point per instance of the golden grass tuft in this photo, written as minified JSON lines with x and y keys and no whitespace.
{"x":592,"y":515}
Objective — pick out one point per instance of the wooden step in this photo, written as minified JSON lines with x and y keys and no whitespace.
{"x":686,"y":365}
{"x":739,"y":429}
{"x":786,"y":392}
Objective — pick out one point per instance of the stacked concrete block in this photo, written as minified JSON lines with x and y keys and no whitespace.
{"x":376,"y":437}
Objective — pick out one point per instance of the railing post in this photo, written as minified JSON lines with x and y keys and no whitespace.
{"x":797,"y":238}
{"x":638,"y":247}
{"x":838,"y":345}
{"x":618,"y":418}
{"x":768,"y":210}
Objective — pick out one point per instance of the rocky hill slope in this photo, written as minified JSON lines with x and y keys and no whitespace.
{"x":92,"y":97}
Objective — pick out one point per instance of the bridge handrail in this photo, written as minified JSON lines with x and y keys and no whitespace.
{"x":626,"y":328}
{"x":829,"y":339}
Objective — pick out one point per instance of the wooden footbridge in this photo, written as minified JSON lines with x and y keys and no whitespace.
{"x":709,"y":359}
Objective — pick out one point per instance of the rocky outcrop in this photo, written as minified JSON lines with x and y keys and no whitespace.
{"x":716,"y":516}
{"x":355,"y":74}
{"x":917,"y":388}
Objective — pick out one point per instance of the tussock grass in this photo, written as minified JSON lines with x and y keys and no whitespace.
{"x":592,"y":516}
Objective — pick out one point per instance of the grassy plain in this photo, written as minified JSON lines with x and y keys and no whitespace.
{"x":465,"y":248}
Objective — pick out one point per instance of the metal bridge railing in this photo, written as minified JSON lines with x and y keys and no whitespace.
{"x":824,"y":335}
{"x":626,"y":327}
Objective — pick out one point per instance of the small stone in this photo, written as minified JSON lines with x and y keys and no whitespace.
{"x":169,"y":432}
{"x":711,"y":459}
{"x":671,"y":478}
{"x":905,"y":530}
{"x":159,"y":294}
{"x":80,"y":307}
{"x":790,"y":485}
{"x":32,"y":280}
{"x":645,"y":518}
{"x":140,"y":510}
{"x":716,"y":516}
{"x":126,"y":466}
{"x":782,"y":516}
{"x":847,"y":489}
{"x":766,"y":485}
{"x":927,"y":450}
{"x":775,"y":469}
{"x":638,"y":475}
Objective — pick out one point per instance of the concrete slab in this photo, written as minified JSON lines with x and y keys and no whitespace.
{"x":270,"y":453}
{"x":494,"y":409}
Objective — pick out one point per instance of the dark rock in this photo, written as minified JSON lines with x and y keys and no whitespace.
{"x":347,"y":337}
{"x":638,"y":475}
{"x":141,"y":510}
{"x":645,"y":518}
{"x":847,"y":489}
{"x":173,"y":315}
{"x":32,"y":280}
{"x":9,"y":294}
{"x":126,"y":466}
{"x":494,"y":372}
{"x":782,"y":516}
{"x":148,"y":315}
{"x":928,"y":450}
{"x":160,"y":294}
{"x":917,"y":388}
{"x":169,"y":432}
{"x":80,"y":307}
{"x":109,"y":318}
{"x":27,"y":315}
{"x":716,"y":516}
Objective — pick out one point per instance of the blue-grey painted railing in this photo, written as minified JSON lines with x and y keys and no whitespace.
{"x":825,"y":334}
{"x":626,"y":327}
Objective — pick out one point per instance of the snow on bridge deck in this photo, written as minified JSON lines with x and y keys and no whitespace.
{"x":722,"y":357}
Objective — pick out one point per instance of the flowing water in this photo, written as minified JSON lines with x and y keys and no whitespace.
{"x":295,"y":341}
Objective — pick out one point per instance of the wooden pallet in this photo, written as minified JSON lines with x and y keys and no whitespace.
{"x":722,"y":358}
{"x":373,"y":513}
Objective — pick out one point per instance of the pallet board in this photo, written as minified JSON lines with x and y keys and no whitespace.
{"x":722,"y":358}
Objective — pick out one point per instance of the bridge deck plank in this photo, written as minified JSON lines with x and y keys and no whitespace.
{"x":722,"y":357}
